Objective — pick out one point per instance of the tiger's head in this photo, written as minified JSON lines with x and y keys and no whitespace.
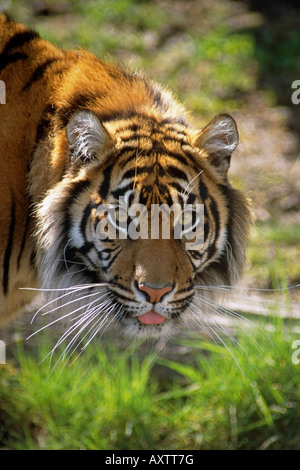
{"x":148,"y":285}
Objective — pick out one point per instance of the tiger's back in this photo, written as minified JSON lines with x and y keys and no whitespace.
{"x":27,"y":63}
{"x":77,"y":133}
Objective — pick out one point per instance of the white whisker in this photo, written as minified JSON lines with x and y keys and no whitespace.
{"x":64,"y":316}
{"x":242,"y":288}
{"x":186,"y":188}
{"x":63,"y":289}
{"x":225,"y":311}
{"x":213,"y":333}
{"x":55,"y":300}
{"x":89,"y":317}
{"x":65,"y":260}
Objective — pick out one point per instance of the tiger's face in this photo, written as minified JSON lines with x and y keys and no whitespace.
{"x":108,"y":262}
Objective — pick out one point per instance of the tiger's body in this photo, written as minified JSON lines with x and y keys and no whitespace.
{"x":76,"y":133}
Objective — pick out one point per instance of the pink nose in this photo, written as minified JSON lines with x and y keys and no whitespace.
{"x":155,"y":294}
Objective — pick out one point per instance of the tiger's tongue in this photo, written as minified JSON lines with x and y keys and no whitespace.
{"x":151,"y":318}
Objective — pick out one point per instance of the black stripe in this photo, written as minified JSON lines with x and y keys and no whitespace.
{"x":6,"y":60}
{"x":206,"y":228}
{"x":9,"y":247}
{"x":204,"y":196}
{"x":215,"y":213}
{"x":104,"y":187}
{"x":175,"y":172}
{"x":184,"y":159}
{"x":127,"y":115}
{"x":70,"y":257}
{"x":33,"y":258}
{"x":184,"y":290}
{"x":203,"y":191}
{"x":121,"y":191}
{"x":86,"y":248}
{"x":120,"y":286}
{"x":18,"y":40}
{"x":23,"y":241}
{"x":196,"y":254}
{"x":179,"y":132}
{"x":123,"y":298}
{"x":229,"y":194}
{"x":176,"y":186}
{"x":190,"y":260}
{"x":44,"y":123}
{"x":191,"y":199}
{"x":74,"y":191}
{"x":42,"y":128}
{"x":80,"y":101}
{"x":86,"y":214}
{"x":38,"y":73}
{"x":145,"y":155}
{"x":107,"y":251}
{"x":130,"y":153}
{"x":178,"y":120}
{"x":139,"y":170}
{"x":112,"y":260}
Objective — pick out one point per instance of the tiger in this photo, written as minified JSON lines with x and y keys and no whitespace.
{"x":78,"y":134}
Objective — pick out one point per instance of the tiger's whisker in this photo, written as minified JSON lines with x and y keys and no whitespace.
{"x":55,"y":300}
{"x":70,"y":330}
{"x":94,"y":313}
{"x":186,"y":188}
{"x":214,"y":333}
{"x":71,"y":288}
{"x":66,"y":304}
{"x":224,"y":311}
{"x":64,"y":252}
{"x":59,"y":319}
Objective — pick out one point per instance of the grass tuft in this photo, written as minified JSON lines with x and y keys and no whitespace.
{"x":109,"y":399}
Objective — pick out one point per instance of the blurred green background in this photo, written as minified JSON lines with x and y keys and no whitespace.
{"x":239,"y":57}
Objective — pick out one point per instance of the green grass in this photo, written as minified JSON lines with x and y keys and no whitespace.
{"x":272,"y":253}
{"x":233,"y":397}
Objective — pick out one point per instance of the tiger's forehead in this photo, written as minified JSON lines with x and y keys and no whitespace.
{"x":153,"y":182}
{"x":155,"y":128}
{"x":152,"y":172}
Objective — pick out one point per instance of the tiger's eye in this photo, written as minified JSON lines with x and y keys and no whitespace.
{"x":187,"y":218}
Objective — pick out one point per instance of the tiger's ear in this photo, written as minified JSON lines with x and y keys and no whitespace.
{"x":219,"y":139}
{"x":87,"y":137}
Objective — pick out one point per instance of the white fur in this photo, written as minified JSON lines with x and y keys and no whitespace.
{"x":86,"y":135}
{"x":220,"y":137}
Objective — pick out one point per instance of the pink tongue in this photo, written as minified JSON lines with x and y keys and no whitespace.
{"x":151,"y":318}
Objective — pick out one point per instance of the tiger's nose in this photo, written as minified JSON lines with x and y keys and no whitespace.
{"x":155,"y":294}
